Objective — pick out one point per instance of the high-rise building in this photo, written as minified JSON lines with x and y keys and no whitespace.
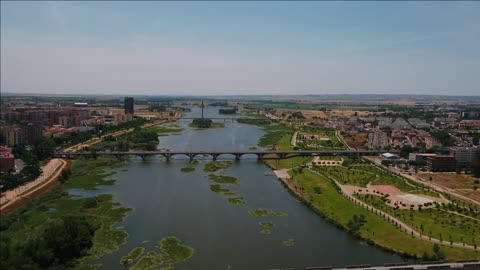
{"x":128,"y":105}
{"x":464,"y":155}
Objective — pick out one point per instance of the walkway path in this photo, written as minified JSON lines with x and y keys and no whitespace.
{"x":49,"y":173}
{"x":293,"y":141}
{"x":392,"y":219}
{"x":340,"y":138}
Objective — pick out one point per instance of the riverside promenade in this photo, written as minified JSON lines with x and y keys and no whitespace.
{"x":49,"y":173}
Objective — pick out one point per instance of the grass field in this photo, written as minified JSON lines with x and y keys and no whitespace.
{"x":348,"y":176}
{"x":333,"y":141}
{"x":433,"y":222}
{"x":273,"y":134}
{"x":358,"y":140}
{"x":337,"y":209}
{"x":451,"y":180}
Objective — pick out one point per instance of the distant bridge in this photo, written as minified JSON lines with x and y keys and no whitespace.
{"x":224,"y":119}
{"x":215,"y":154}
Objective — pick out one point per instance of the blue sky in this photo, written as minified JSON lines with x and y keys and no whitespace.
{"x":240,"y":47}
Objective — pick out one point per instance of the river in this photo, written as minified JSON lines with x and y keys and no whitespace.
{"x":168,"y":202}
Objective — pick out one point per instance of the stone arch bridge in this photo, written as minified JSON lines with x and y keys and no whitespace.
{"x":215,"y":154}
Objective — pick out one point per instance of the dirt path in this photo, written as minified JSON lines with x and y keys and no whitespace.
{"x":293,"y":141}
{"x":340,"y":138}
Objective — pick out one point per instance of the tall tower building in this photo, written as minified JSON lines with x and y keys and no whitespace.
{"x":128,"y":105}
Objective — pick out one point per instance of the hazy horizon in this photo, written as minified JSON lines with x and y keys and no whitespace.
{"x":240,"y":48}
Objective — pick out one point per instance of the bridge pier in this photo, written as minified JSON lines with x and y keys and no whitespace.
{"x":191,"y":156}
{"x":282,"y":155}
{"x":168,"y":156}
{"x":238,"y":156}
{"x":144,"y":157}
{"x":214,"y":156}
{"x":260,"y":156}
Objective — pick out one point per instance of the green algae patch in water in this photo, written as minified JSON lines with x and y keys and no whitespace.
{"x":278,"y":214}
{"x":151,"y":260}
{"x":132,"y":256}
{"x":89,"y":174}
{"x":266,"y":231}
{"x":106,"y":239}
{"x":288,"y":243}
{"x":259,"y":213}
{"x":223,"y":179}
{"x":265,"y":213}
{"x":171,"y":252}
{"x":237,"y":201}
{"x":266,"y":224}
{"x":219,"y":189}
{"x":217,"y":165}
{"x":187,"y":169}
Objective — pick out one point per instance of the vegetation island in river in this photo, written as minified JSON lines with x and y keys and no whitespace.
{"x":204,"y":123}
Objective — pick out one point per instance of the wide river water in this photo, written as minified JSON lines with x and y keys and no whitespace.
{"x":168,"y":202}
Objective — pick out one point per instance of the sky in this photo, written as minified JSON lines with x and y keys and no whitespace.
{"x":240,"y":48}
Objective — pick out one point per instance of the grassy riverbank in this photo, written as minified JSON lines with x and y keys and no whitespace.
{"x":323,"y":197}
{"x":27,"y":227}
{"x":340,"y":211}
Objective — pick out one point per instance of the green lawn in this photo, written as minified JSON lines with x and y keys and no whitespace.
{"x":347,"y":176}
{"x":432,"y":222}
{"x":340,"y":210}
{"x":312,"y":143}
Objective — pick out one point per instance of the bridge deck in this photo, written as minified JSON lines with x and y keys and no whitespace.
{"x":216,"y":154}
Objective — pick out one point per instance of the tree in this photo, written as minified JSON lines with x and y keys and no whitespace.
{"x":69,"y":238}
{"x":406,"y":150}
{"x":44,"y":148}
{"x":20,"y":151}
{"x":202,"y":123}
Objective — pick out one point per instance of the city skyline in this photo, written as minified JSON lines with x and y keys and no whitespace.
{"x":232,"y":48}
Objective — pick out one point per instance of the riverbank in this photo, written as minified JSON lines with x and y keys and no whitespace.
{"x":338,"y":210}
{"x":30,"y":222}
{"x":15,"y":198}
{"x":325,"y":199}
